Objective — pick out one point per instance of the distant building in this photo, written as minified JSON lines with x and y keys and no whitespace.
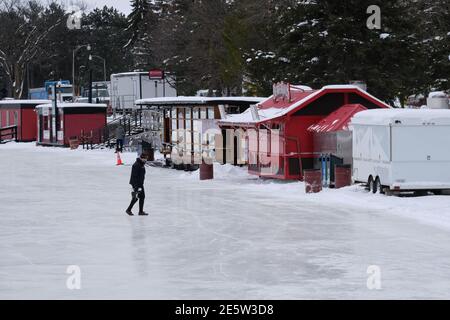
{"x":20,"y":113}
{"x":71,"y":121}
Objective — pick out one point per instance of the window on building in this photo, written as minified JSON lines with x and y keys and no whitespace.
{"x":62,"y":119}
{"x":195,"y":113}
{"x":16,"y":118}
{"x":180,"y":118}
{"x":174,"y":124}
{"x":60,"y":122}
{"x":203,"y":113}
{"x":211,"y":113}
{"x":45,"y":122}
{"x":188,"y":119}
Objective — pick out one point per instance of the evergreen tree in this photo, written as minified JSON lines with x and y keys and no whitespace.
{"x":325,"y":42}
{"x":104,"y":29}
{"x":434,"y":23}
{"x":137,"y":20}
{"x":140,"y":23}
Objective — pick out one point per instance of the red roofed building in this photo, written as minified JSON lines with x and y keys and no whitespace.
{"x":278,"y":143}
{"x":21,"y":115}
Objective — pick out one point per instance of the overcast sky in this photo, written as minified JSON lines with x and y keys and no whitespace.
{"x":121,"y":5}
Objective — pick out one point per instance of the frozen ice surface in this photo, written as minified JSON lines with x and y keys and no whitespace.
{"x":236,"y":237}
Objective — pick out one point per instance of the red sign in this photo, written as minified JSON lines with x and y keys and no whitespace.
{"x":156,"y":74}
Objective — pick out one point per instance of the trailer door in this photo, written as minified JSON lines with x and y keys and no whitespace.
{"x":421,"y":143}
{"x":380,"y":144}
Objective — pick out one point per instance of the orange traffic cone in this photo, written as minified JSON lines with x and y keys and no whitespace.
{"x":119,"y":160}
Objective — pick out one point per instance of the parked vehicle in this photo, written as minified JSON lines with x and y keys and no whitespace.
{"x":100,"y":93}
{"x":401,"y":150}
{"x":126,"y":88}
{"x":38,"y":94}
{"x":63,"y":90}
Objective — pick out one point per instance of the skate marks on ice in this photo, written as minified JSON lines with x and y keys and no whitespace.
{"x":215,"y":240}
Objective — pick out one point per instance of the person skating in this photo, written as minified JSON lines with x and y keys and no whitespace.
{"x":137,"y":182}
{"x":120,"y":137}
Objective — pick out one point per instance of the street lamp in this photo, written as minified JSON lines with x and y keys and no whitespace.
{"x":104,"y":64}
{"x":88,"y":48}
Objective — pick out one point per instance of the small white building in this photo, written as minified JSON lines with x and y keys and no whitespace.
{"x":128,"y":87}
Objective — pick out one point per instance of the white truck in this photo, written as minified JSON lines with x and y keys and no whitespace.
{"x":398,"y":150}
{"x":128,"y":87}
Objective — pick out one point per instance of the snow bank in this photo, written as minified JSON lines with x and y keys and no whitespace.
{"x":221,"y":173}
{"x":429,"y":210}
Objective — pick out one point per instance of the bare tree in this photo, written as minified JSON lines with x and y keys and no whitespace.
{"x":28,"y":31}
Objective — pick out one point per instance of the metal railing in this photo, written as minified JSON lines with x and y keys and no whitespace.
{"x":8,"y":134}
{"x":137,"y":128}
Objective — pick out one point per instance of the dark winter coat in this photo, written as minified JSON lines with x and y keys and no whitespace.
{"x":120,"y":133}
{"x":138,"y":174}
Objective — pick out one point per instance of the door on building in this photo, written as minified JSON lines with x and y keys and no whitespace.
{"x":293,"y":158}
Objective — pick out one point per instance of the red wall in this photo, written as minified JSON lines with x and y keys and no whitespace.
{"x":4,"y":111}
{"x":75,"y":123}
{"x":297,"y":126}
{"x":26,"y":122}
{"x":11,"y":112}
{"x":2,"y":118}
{"x":28,"y":129}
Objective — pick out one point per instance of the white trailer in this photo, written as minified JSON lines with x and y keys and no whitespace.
{"x":128,"y":87}
{"x":398,"y":150}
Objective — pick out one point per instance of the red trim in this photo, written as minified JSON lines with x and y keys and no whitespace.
{"x":327,"y":91}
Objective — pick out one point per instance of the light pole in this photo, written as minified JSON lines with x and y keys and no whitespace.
{"x":104,"y":64}
{"x":88,"y":47}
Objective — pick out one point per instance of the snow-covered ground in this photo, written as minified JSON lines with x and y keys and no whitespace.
{"x":236,"y":237}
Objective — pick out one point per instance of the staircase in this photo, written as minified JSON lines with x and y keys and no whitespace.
{"x":136,"y":127}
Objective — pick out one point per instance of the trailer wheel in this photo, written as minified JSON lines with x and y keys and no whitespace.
{"x":378,"y":187}
{"x":374,"y":187}
{"x":370,"y":184}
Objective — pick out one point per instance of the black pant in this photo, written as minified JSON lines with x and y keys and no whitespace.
{"x":137,"y":196}
{"x":119,"y":146}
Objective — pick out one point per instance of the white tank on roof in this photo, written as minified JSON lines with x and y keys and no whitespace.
{"x":438,"y":100}
{"x":360,"y":84}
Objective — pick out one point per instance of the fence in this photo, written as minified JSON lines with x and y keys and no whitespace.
{"x":8,"y":133}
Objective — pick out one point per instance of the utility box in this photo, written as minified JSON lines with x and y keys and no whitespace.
{"x":333,"y":141}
